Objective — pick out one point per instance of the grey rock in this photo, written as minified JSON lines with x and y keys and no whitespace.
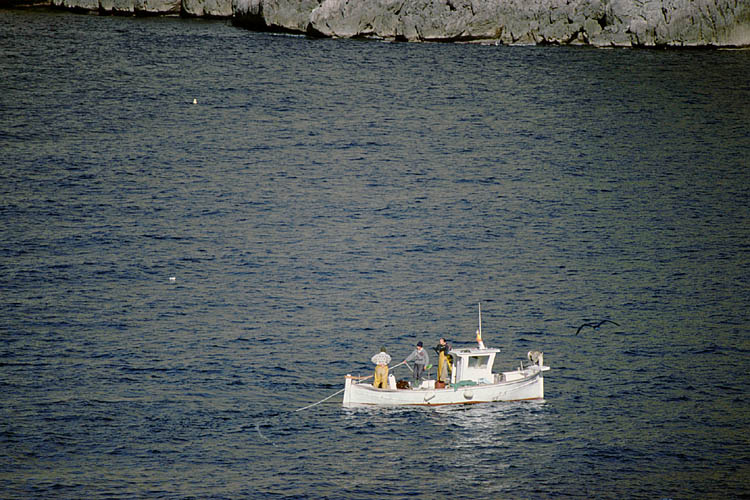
{"x":600,"y":23}
{"x":274,"y":15}
{"x":84,"y":5}
{"x":160,"y":7}
{"x":117,"y":6}
{"x":207,"y":8}
{"x":645,"y":23}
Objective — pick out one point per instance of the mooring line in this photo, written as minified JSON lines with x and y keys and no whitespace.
{"x":257,"y":424}
{"x":257,"y":428}
{"x":324,"y":399}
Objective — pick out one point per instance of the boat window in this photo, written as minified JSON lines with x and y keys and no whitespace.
{"x":478,"y":361}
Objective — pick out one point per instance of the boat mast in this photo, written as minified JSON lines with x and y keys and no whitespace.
{"x":480,"y":320}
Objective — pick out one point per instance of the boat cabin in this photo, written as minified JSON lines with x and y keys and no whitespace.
{"x":473,"y":365}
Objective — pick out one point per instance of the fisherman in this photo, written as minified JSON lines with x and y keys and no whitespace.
{"x":381,"y":361}
{"x":420,"y":358}
{"x":442,"y":349}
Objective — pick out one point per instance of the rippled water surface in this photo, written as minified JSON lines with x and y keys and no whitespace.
{"x":325,"y":197}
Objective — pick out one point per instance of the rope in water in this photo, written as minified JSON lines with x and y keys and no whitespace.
{"x":257,"y":428}
{"x":324,"y":399}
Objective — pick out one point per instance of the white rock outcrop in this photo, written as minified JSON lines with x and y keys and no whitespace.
{"x":601,"y":23}
{"x":157,"y":7}
{"x":82,"y":5}
{"x":274,"y":15}
{"x":123,"y":7}
{"x":207,"y":8}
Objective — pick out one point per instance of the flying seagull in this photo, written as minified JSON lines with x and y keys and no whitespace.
{"x":594,"y":325}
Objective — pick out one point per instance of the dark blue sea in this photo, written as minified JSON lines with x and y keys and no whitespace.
{"x":176,"y":279}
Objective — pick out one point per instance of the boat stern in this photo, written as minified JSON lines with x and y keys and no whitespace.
{"x":347,"y":402}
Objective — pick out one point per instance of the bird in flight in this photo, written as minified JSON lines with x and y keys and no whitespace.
{"x":595,"y":325}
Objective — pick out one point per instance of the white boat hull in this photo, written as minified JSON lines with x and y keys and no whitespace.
{"x":527,"y":384}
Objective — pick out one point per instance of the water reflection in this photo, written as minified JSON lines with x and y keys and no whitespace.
{"x":477,"y":426}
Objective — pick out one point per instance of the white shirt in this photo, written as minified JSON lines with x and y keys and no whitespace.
{"x":381,"y":358}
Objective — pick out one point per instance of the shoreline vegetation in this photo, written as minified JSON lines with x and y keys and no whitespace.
{"x":595,"y":23}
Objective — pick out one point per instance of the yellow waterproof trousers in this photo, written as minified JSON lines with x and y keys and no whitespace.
{"x":443,"y":368}
{"x":381,"y":377}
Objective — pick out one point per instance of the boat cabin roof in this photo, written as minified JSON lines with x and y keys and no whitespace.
{"x":473,"y":352}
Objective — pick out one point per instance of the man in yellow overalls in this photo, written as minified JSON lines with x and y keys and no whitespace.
{"x":443,"y":367}
{"x":381,"y":361}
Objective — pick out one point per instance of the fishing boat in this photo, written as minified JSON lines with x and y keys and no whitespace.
{"x":472,"y":381}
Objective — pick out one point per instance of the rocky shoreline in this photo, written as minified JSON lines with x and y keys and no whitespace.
{"x":598,"y":23}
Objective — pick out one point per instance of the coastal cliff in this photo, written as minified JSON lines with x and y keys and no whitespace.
{"x":600,"y":23}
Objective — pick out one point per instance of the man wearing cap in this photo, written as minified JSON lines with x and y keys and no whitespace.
{"x":420,"y":358}
{"x":381,"y":361}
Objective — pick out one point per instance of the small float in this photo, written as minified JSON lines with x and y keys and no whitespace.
{"x":472,"y":381}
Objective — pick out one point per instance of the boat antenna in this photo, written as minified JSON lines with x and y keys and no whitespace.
{"x":480,"y":320}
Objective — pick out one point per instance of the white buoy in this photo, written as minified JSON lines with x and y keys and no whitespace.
{"x":195,"y":101}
